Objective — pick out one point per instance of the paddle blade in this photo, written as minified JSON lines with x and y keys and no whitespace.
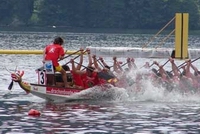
{"x":10,"y":86}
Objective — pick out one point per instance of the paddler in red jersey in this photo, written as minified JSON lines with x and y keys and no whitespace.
{"x":105,"y":72}
{"x":89,"y":76}
{"x":55,"y":52}
{"x":77,"y":77}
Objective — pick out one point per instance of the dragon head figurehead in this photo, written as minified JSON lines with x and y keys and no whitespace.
{"x":17,"y":76}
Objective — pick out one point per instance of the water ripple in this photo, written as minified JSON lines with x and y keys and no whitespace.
{"x":150,"y":112}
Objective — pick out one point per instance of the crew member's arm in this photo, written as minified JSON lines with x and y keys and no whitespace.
{"x":188,"y":72}
{"x":133,"y":63}
{"x":161,"y":70}
{"x":95,"y":63}
{"x":89,"y":58}
{"x":119,"y":66}
{"x":174,"y":67}
{"x":81,"y":60}
{"x":115,"y":65}
{"x":103,"y":62}
{"x":74,"y":68}
{"x":128,"y":60}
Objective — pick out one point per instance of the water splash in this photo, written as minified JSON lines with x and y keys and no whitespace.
{"x":149,"y":92}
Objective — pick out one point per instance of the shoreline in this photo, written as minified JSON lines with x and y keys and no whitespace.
{"x":82,"y":30}
{"x":88,"y":30}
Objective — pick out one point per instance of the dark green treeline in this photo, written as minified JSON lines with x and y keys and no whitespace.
{"x":122,"y":14}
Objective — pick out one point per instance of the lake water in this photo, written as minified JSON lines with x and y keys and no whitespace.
{"x":150,"y":113}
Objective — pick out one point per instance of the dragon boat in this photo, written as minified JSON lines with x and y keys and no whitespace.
{"x":50,"y":91}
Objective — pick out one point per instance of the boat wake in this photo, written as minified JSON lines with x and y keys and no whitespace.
{"x":149,"y":93}
{"x":99,"y":93}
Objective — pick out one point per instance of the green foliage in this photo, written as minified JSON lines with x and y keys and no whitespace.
{"x":128,"y":14}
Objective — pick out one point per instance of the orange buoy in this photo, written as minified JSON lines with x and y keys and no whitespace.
{"x":34,"y":112}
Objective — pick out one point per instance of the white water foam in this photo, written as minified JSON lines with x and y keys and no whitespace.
{"x":149,"y":92}
{"x":104,"y":92}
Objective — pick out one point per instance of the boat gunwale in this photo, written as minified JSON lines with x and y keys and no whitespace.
{"x":54,"y":86}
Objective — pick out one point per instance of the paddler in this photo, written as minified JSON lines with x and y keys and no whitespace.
{"x":89,"y":76}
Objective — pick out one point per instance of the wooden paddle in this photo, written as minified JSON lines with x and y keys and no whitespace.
{"x":92,"y":64}
{"x":11,"y":83}
{"x":124,"y":64}
{"x":172,"y":55}
{"x":186,"y":61}
{"x":77,"y":56}
{"x":41,"y":68}
{"x":100,"y":63}
{"x":156,"y":70}
{"x":165,"y":63}
{"x":151,"y":65}
{"x":69,"y":55}
{"x":121,"y":65}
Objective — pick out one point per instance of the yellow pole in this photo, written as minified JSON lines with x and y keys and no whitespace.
{"x":178,"y":31}
{"x":181,"y":35}
{"x":185,"y":35}
{"x":4,"y":51}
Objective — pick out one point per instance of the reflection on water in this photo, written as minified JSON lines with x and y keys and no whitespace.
{"x":102,"y":117}
{"x":151,"y":112}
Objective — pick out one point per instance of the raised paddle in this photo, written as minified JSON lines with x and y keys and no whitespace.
{"x":69,"y":55}
{"x":91,"y":64}
{"x":121,"y":65}
{"x":151,"y":65}
{"x":76,"y":57}
{"x":172,"y":55}
{"x":185,"y":63}
{"x":165,"y":62}
{"x":100,"y":63}
{"x":195,"y":60}
{"x":154,"y":70}
{"x":124,"y":64}
{"x":41,"y":68}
